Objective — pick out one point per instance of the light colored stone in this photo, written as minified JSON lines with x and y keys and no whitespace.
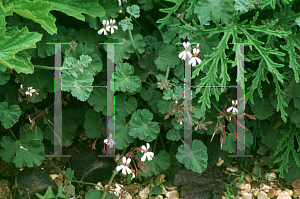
{"x":173,"y":194}
{"x":284,"y":195}
{"x":144,"y":193}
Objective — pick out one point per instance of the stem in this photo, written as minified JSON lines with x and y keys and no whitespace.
{"x":162,"y":142}
{"x":152,"y":21}
{"x":182,"y":20}
{"x":13,"y":134}
{"x":154,"y":146}
{"x":136,"y":52}
{"x":50,"y":68}
{"x":114,"y":174}
{"x":216,"y":107}
{"x":72,"y":189}
{"x":141,"y":26}
{"x":167,"y":73}
{"x":56,"y":167}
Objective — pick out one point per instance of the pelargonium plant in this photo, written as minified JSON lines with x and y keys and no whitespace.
{"x":143,"y":51}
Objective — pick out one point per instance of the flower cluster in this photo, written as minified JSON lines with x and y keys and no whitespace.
{"x":193,"y":58}
{"x":28,"y":93}
{"x":108,"y":27}
{"x":126,"y":162}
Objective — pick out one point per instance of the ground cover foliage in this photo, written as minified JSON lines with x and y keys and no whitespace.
{"x":149,"y":78}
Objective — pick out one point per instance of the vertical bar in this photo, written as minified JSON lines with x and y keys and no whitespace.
{"x":110,"y":119}
{"x":57,"y":103}
{"x":240,"y":152}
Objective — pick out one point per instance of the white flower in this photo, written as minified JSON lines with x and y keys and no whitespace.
{"x":21,"y":86}
{"x":186,"y":52}
{"x":195,"y":57}
{"x":30,"y":91}
{"x":119,"y":2}
{"x":132,"y":176}
{"x":149,"y":155}
{"x":109,"y":141}
{"x":118,"y":188}
{"x":124,"y":166}
{"x":105,"y":27}
{"x":233,"y":108}
{"x":112,"y":27}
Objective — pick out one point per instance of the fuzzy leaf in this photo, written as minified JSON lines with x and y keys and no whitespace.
{"x":134,"y":10}
{"x":75,"y":8}
{"x":9,"y":115}
{"x":141,"y":126}
{"x":12,"y":46}
{"x":167,"y":57}
{"x":159,"y":163}
{"x":27,"y":151}
{"x":147,"y":94}
{"x":122,"y":137}
{"x":93,"y":123}
{"x":123,"y":79}
{"x":263,"y":109}
{"x":98,"y":99}
{"x":79,"y":86}
{"x":190,"y":159}
{"x":38,"y":12}
{"x":125,"y":105}
{"x":173,"y":135}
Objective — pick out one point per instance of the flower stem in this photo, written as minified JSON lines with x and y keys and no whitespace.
{"x":13,"y":134}
{"x":50,"y":68}
{"x":136,"y":52}
{"x":114,"y":174}
{"x":167,"y":73}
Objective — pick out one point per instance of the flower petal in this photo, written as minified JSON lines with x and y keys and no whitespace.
{"x":119,"y":167}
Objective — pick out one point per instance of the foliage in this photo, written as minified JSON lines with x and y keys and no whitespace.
{"x":149,"y":79}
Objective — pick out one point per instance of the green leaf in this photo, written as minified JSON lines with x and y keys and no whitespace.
{"x":141,"y":126}
{"x":11,"y":50}
{"x":38,"y":12}
{"x":9,"y":115}
{"x":93,"y":123}
{"x":123,"y":139}
{"x":168,"y":36}
{"x":195,"y":159}
{"x":124,"y":50}
{"x":69,"y":127}
{"x":69,"y":173}
{"x":123,"y":79}
{"x":124,"y":105}
{"x":93,"y":194}
{"x":173,"y":135}
{"x":168,"y":94}
{"x":134,"y":10}
{"x":147,"y":94}
{"x":263,"y":109}
{"x":167,"y":57}
{"x":98,"y":99}
{"x":27,"y":151}
{"x":219,"y":10}
{"x":75,"y":8}
{"x":159,"y":163}
{"x":126,"y":24}
{"x":80,"y":86}
{"x":4,"y":77}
